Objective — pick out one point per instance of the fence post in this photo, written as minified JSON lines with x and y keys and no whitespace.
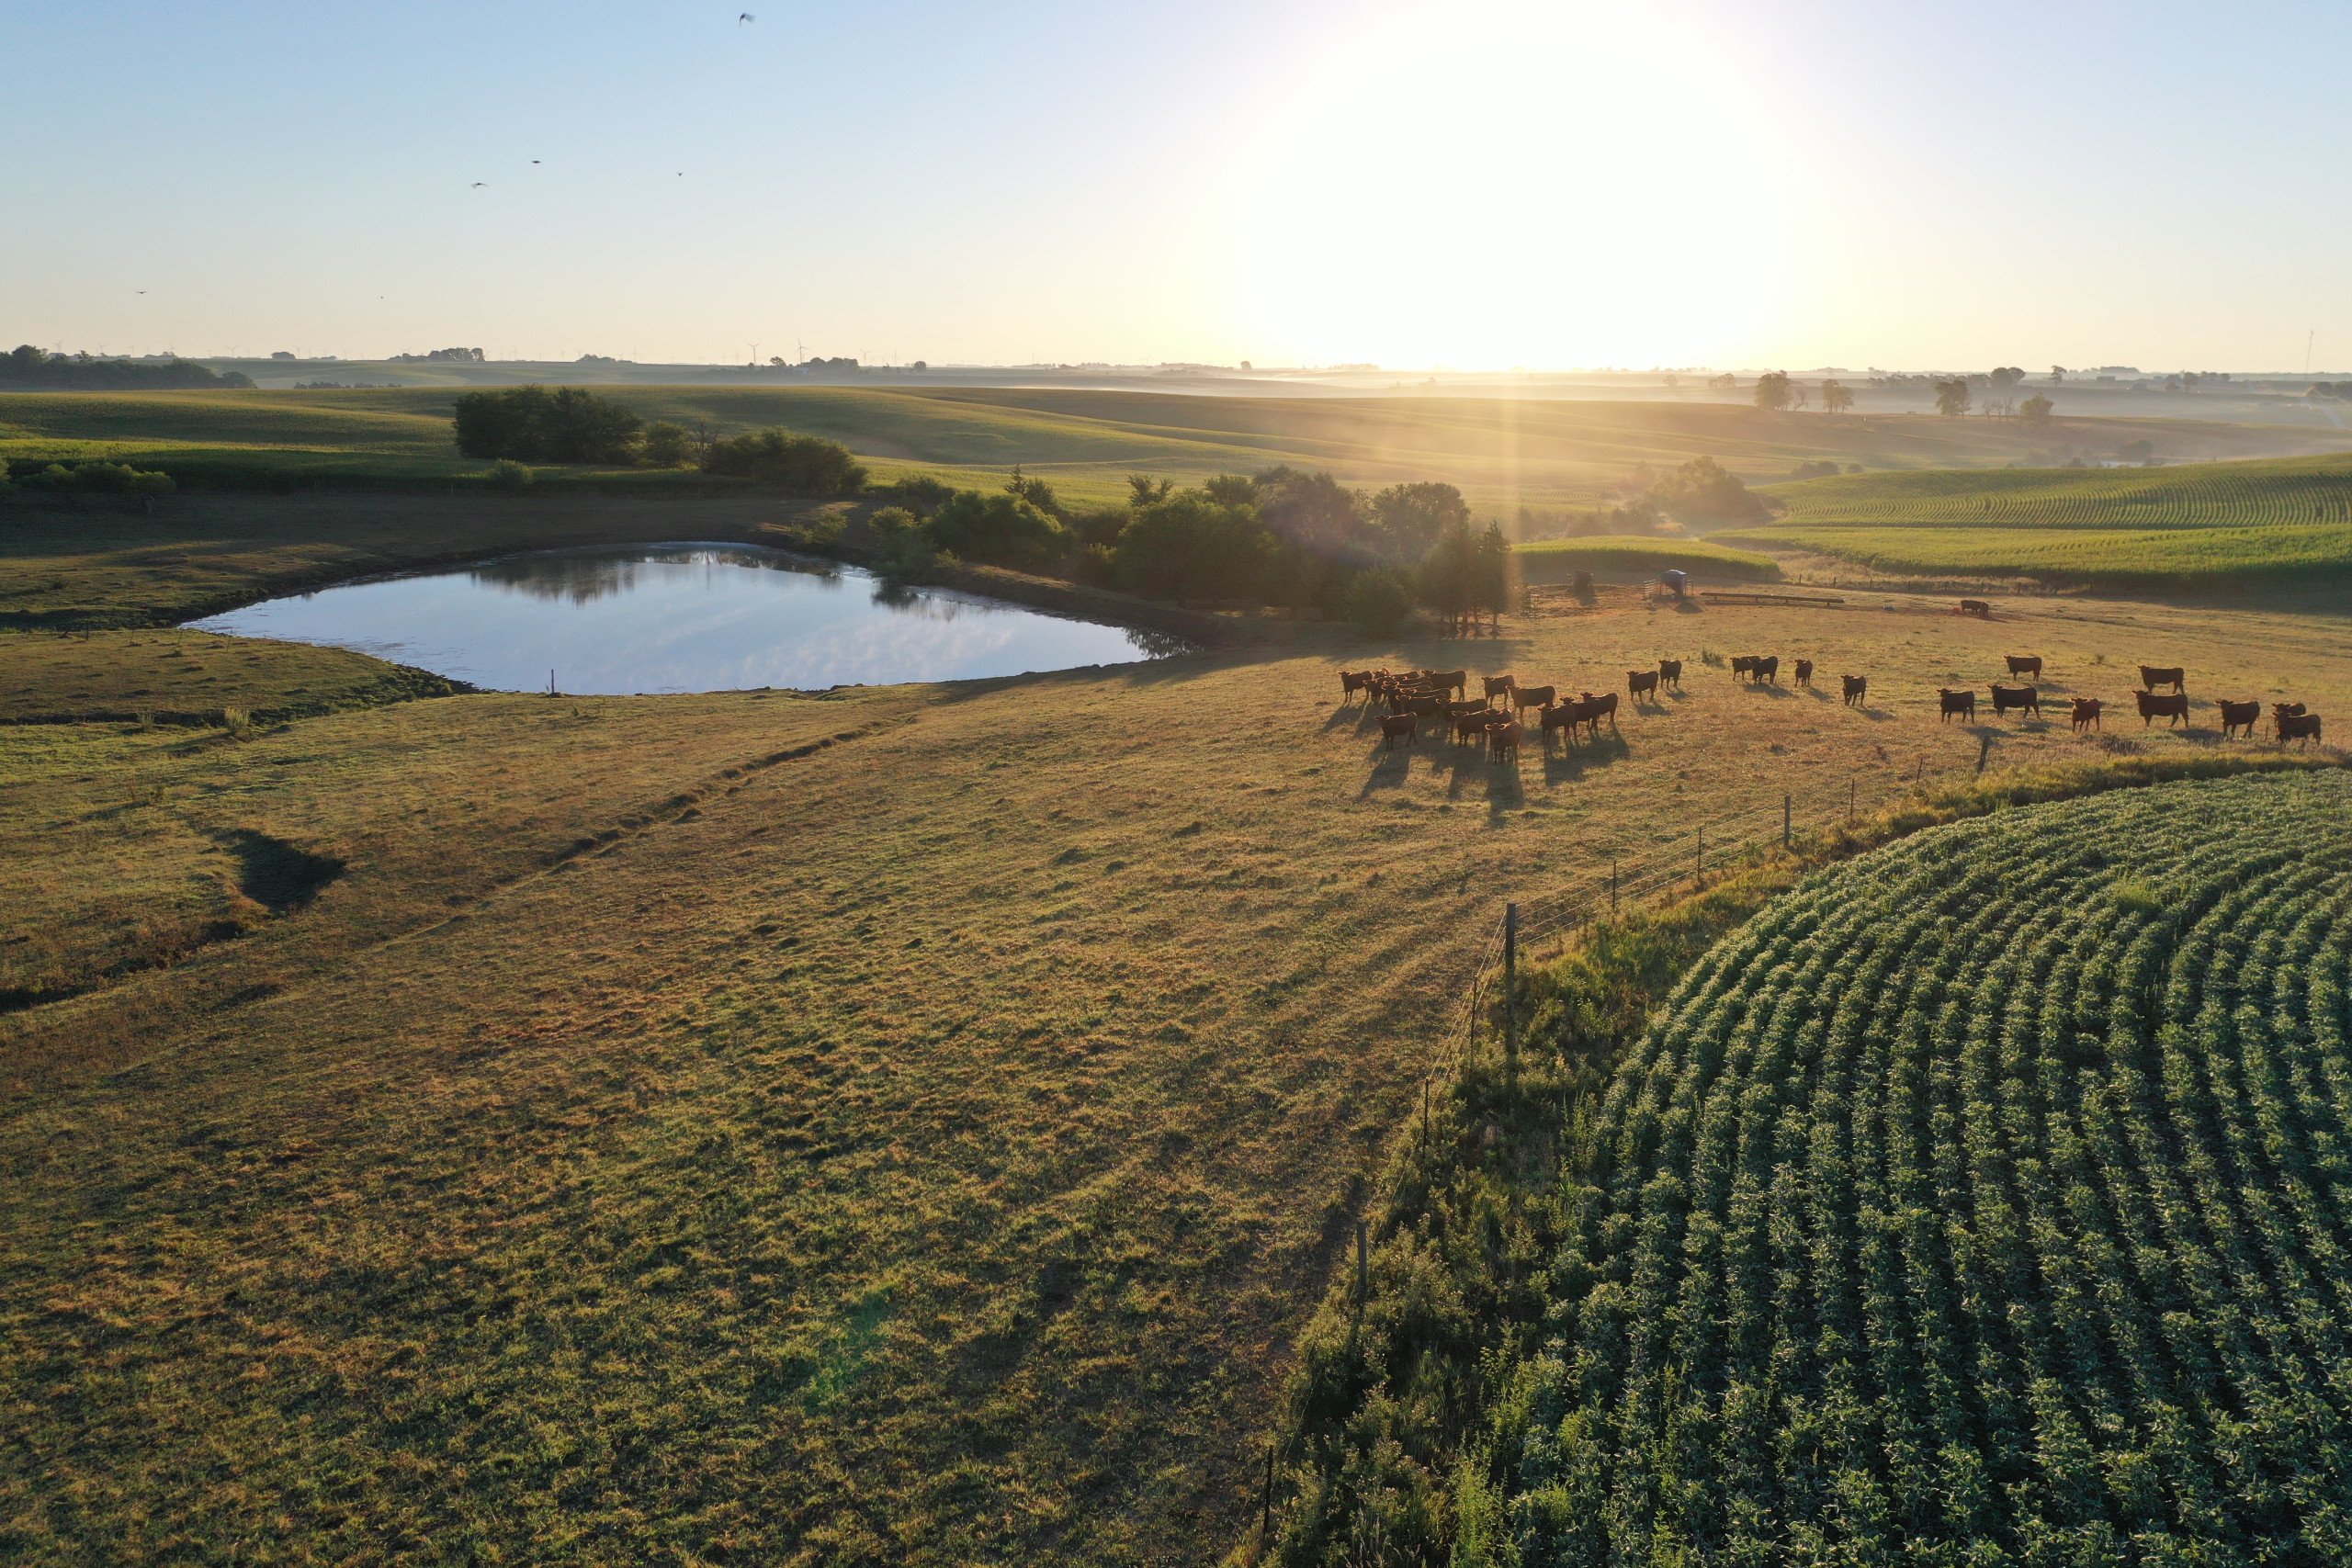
{"x":1266,"y":1502}
{"x":1784,"y":821}
{"x":1849,"y":800}
{"x":1701,"y":874}
{"x":1511,"y":993}
{"x":1612,"y":886}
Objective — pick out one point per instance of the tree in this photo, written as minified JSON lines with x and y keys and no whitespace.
{"x":1377,"y":600}
{"x":2005,"y":377}
{"x":803,"y":465}
{"x":1313,"y":510}
{"x":1952,"y":397}
{"x":1035,"y":492}
{"x":1798,"y":396}
{"x":1836,"y":398}
{"x":2057,"y":373}
{"x":2035,"y":410}
{"x":28,"y":367}
{"x":1143,"y":489}
{"x":1493,"y":585}
{"x":1727,"y":382}
{"x":538,"y":424}
{"x":1449,"y":576}
{"x":1191,"y":545}
{"x":1410,"y":517}
{"x":1772,"y":390}
{"x":1001,"y":527}
{"x":1703,"y":491}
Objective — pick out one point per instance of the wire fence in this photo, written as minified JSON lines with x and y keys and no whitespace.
{"x":1535,"y":929}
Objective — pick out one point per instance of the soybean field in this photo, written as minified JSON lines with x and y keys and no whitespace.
{"x":1987,"y":1199}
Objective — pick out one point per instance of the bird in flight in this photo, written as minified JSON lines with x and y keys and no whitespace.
{"x":746,"y":16}
{"x":479,"y":183}
{"x":143,"y":291}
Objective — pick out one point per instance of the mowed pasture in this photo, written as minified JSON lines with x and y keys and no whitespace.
{"x":904,"y":1125}
{"x":2282,"y":523}
{"x":1502,"y":452}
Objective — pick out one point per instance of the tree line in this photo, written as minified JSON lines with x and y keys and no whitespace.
{"x":27,"y":369}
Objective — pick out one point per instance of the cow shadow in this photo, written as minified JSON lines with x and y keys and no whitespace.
{"x":1389,"y":769}
{"x":1772,"y":688}
{"x":1564,"y":763}
{"x":1357,"y":716}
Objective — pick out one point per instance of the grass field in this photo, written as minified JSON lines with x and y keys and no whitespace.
{"x":2214,"y":524}
{"x":910,"y":1125}
{"x":1503,"y":452}
{"x":1554,"y":560}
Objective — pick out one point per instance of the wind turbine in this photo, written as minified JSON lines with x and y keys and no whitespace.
{"x":755,"y":353}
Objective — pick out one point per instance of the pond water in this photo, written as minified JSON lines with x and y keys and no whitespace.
{"x":682,"y":617}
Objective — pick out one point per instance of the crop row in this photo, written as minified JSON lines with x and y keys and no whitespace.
{"x":1987,"y":1198}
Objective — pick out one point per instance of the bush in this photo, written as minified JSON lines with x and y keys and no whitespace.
{"x":537,"y":424}
{"x":922,"y":494}
{"x":1001,"y":528}
{"x":1377,"y":600}
{"x":903,"y":549}
{"x":668,"y":444}
{"x":1192,"y":546}
{"x":802,"y":465}
{"x":102,"y":478}
{"x":508,"y":474}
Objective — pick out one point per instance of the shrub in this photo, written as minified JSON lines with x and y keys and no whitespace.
{"x":103,"y":479}
{"x":668,"y":444}
{"x":903,"y":549}
{"x":1377,"y":600}
{"x":1089,"y":562}
{"x":508,"y":474}
{"x":1001,"y":528}
{"x":1191,"y":545}
{"x":922,"y":494}
{"x":802,"y":465}
{"x":538,"y":424}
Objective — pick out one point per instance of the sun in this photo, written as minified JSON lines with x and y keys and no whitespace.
{"x":1506,"y":184}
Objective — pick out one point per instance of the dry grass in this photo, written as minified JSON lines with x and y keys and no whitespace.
{"x":923,"y":1148}
{"x":185,"y":677}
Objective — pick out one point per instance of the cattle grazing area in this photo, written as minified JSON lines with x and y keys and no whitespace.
{"x":905,"y":1125}
{"x":1978,"y":1200}
{"x":2272,"y":524}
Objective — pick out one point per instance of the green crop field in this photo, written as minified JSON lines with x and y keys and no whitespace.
{"x":1503,"y":452}
{"x":2249,"y":523}
{"x":1983,"y":1198}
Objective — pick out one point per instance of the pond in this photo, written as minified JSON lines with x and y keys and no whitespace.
{"x":682,"y":617}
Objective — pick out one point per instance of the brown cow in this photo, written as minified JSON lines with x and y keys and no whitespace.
{"x":1561,"y":715}
{"x":1976,"y":607}
{"x":1856,"y":688}
{"x":1474,"y":727}
{"x":1963,"y":702}
{"x":1670,"y":672}
{"x":1525,"y":697}
{"x":2086,"y":715}
{"x":1595,"y":709}
{"x":1406,"y":725}
{"x":2239,"y":716}
{"x":2007,"y":697}
{"x":2175,"y":705}
{"x":1466,"y":708}
{"x":1453,"y":681}
{"x":1496,"y":685}
{"x":2151,"y":677}
{"x":1503,"y":738}
{"x":2285,"y":710}
{"x":1355,"y":681}
{"x":1765,"y":667}
{"x":1641,"y":682}
{"x":1742,"y":665}
{"x":2298,"y":726}
{"x":1804,"y":672}
{"x":2024,"y":664}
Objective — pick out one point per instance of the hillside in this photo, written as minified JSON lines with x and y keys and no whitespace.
{"x":1503,"y":452}
{"x":1981,"y":1199}
{"x":2195,"y":525}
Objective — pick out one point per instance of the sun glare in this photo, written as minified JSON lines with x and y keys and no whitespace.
{"x":1501,"y":184}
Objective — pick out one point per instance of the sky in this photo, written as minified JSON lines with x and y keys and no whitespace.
{"x":1474,"y":185}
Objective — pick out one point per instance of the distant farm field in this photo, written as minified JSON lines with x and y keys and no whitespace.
{"x":2209,"y":525}
{"x":1553,"y":560}
{"x":1502,"y":452}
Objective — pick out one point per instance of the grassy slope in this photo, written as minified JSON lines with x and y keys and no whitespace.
{"x":1552,"y":560}
{"x":2213,"y":523}
{"x":919,"y":1149}
{"x":1503,"y":452}
{"x":184,"y":676}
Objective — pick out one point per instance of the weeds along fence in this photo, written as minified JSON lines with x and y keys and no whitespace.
{"x":1538,"y":928}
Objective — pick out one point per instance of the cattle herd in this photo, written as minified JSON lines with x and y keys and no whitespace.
{"x":1496,"y":718}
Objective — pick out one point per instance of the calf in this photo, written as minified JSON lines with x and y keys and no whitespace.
{"x":1742,"y":665}
{"x":1395,"y":725}
{"x":1856,"y":688}
{"x":1525,"y":697}
{"x":1641,"y":682}
{"x":1595,"y":709}
{"x":2024,"y":664}
{"x":1961,"y":703}
{"x":1563,"y":716}
{"x":1502,"y":739}
{"x":2298,"y":726}
{"x":1474,"y":727}
{"x":1355,"y":681}
{"x":2239,"y":716}
{"x":1804,"y":672}
{"x":2174,"y":704}
{"x":1670,"y":672}
{"x":2151,"y":677}
{"x":2086,"y":715}
{"x":1977,"y":607}
{"x":1766,"y":667}
{"x":2285,"y":710}
{"x":1496,"y":685}
{"x":2007,"y":697}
